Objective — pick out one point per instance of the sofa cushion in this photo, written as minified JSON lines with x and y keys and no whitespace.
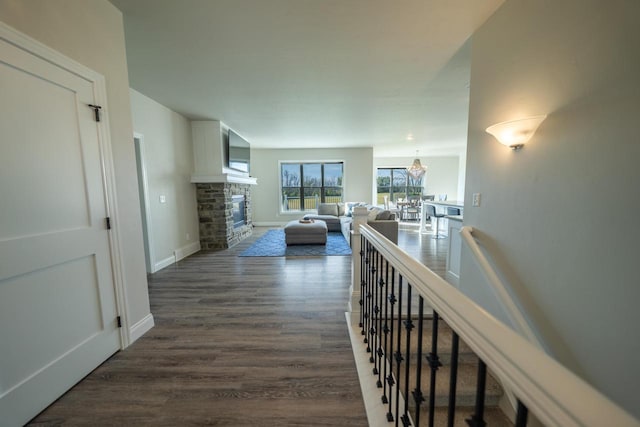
{"x":328,"y":209}
{"x":373,"y":213}
{"x":384,"y":215}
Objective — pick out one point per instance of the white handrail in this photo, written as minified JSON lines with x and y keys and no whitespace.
{"x":555,"y":395}
{"x":513,"y":311}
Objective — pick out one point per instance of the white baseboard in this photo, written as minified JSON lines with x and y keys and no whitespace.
{"x":270,"y":224}
{"x":164,"y":263}
{"x":178,"y":254}
{"x":140,"y":328}
{"x":185,"y":251}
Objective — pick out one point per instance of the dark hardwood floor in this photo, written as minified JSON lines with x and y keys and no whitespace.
{"x":431,"y":252}
{"x":238,"y":341}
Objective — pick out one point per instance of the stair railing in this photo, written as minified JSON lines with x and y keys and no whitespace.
{"x":514,"y":313}
{"x":385,"y":277}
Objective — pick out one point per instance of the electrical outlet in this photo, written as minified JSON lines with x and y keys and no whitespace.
{"x":188,"y":236}
{"x":476,"y":199}
{"x":163,"y":199}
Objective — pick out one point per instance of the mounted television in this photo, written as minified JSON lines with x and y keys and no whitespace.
{"x":238,"y":153}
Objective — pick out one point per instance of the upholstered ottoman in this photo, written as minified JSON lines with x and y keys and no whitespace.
{"x":305,"y":233}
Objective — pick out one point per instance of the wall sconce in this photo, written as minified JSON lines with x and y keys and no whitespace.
{"x":515,"y":133}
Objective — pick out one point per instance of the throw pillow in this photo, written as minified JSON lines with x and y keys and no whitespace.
{"x":350,"y":206}
{"x":341,"y":209}
{"x":328,"y":209}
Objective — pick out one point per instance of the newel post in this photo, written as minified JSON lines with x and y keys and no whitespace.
{"x":359,"y":215}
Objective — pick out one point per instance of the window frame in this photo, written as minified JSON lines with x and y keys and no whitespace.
{"x":301,"y":187}
{"x":406,"y":186}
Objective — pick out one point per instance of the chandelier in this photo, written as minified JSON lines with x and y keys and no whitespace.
{"x":416,"y":170}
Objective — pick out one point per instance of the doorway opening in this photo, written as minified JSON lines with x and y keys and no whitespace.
{"x":143,"y":192}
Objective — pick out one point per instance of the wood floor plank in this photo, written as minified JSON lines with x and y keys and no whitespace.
{"x":238,"y":341}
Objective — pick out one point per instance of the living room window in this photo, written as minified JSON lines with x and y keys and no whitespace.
{"x":396,"y":183}
{"x":304,"y":185}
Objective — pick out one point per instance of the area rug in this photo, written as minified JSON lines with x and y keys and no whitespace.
{"x":272,"y":244}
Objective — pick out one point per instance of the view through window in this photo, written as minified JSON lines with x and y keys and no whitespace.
{"x":396,"y":183}
{"x":304,"y":185}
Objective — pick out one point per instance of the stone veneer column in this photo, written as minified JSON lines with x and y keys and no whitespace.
{"x":215,"y":215}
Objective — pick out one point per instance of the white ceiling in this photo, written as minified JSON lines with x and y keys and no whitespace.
{"x":312,"y":73}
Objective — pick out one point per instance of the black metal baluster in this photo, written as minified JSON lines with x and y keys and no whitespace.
{"x":390,"y":381}
{"x":417,"y":393}
{"x":370,"y":289}
{"x":362,"y":283}
{"x":434,"y":364}
{"x":374,"y":308}
{"x":369,"y":296}
{"x":453,"y":381}
{"x":408,"y":325}
{"x":367,"y":280}
{"x":379,"y":352}
{"x":385,"y":330}
{"x":398,"y":354}
{"x":365,"y":263}
{"x":521,"y":415}
{"x":477,"y":420}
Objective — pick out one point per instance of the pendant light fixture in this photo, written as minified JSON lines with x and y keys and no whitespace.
{"x":416,"y":170}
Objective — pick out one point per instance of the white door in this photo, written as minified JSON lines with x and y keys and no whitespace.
{"x":58,"y":316}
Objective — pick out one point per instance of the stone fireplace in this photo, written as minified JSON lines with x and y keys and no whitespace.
{"x":223,"y":194}
{"x":220,"y":226}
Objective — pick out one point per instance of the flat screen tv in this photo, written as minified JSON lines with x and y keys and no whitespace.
{"x":238,"y":153}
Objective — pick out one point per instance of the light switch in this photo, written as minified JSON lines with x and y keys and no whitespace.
{"x":163,"y":199}
{"x":476,"y":199}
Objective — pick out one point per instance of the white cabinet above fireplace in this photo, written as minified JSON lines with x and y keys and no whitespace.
{"x":209,"y":155}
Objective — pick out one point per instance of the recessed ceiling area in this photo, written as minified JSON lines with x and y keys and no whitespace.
{"x":312,"y":73}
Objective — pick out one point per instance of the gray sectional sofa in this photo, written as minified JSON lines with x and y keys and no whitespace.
{"x":337,"y":216}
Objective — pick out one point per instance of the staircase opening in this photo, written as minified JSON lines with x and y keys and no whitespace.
{"x":428,"y":355}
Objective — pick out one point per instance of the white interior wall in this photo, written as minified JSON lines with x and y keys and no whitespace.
{"x":169,"y":163}
{"x":441,"y":176}
{"x":559,"y":217}
{"x":92,"y":34}
{"x":462,"y":174}
{"x":358,"y":185}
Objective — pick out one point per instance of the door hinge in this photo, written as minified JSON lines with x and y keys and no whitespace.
{"x":119,"y":320}
{"x":108,"y":220}
{"x":96,"y":111}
